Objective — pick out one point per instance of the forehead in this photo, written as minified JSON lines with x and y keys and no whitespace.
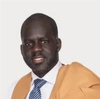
{"x":36,"y":29}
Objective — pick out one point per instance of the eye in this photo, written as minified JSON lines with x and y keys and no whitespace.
{"x":28,"y":44}
{"x":44,"y":41}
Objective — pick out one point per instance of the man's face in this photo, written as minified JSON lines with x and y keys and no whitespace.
{"x":39,"y":47}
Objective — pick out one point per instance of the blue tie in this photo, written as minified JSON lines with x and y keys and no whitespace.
{"x":35,"y":93}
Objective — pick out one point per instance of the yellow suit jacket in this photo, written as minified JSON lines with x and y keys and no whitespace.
{"x":73,"y":81}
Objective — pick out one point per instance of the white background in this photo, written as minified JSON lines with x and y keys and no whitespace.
{"x":78,"y":25}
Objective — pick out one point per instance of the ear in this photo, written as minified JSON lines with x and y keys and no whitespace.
{"x":58,"y":44}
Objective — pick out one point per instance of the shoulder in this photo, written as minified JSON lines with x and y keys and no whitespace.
{"x":80,"y":76}
{"x":79,"y":73}
{"x":80,"y":68}
{"x":16,"y":83}
{"x":10,"y":89}
{"x":26,"y":77}
{"x":77,"y":67}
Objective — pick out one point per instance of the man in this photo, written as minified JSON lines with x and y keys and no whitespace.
{"x":40,"y":48}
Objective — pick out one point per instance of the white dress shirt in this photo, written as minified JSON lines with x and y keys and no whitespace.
{"x":46,"y":89}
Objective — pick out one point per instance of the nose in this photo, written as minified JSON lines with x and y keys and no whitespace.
{"x":36,"y":47}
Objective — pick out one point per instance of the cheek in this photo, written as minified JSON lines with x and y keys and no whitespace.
{"x":51,"y":52}
{"x":47,"y":52}
{"x":26,"y":53}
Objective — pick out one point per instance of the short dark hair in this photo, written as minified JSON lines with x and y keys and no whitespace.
{"x":43,"y":17}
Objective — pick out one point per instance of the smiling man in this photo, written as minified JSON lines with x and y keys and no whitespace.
{"x":40,"y":44}
{"x":50,"y":79}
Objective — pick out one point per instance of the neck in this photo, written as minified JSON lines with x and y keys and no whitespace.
{"x":41,"y":74}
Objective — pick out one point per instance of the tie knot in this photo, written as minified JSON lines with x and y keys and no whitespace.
{"x":39,"y":82}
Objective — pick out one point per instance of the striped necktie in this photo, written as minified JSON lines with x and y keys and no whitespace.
{"x":35,"y":93}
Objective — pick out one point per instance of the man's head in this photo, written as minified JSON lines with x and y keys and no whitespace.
{"x":40,"y":43}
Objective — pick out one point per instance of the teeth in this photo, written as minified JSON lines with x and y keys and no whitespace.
{"x":38,"y":59}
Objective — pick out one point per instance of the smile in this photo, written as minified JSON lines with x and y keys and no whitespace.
{"x":38,"y":60}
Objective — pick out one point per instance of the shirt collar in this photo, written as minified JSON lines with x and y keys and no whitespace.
{"x":50,"y":77}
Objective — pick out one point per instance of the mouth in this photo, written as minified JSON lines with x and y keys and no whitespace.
{"x":38,"y":60}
